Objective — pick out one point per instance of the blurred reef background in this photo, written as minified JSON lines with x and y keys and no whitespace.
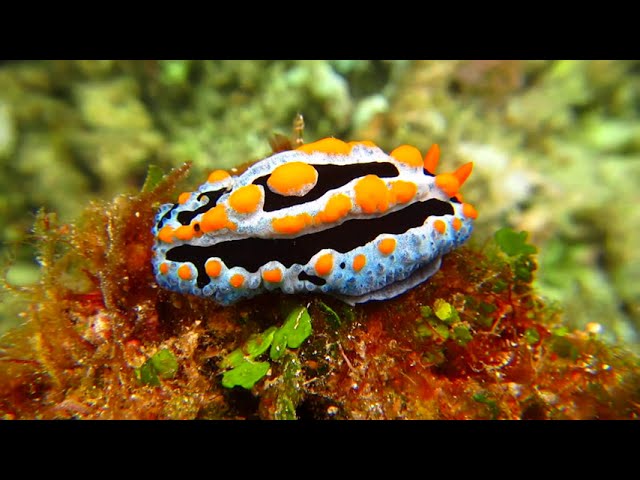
{"x":556,"y":152}
{"x":556,"y":147}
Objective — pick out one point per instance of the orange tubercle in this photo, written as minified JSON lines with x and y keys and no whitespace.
{"x":213,"y":268}
{"x":326,"y":145}
{"x":164,"y":268}
{"x":166,"y":234}
{"x":387,"y":246}
{"x":214,"y":219}
{"x":402,"y":191}
{"x":246,"y":199}
{"x":293,"y":179}
{"x":366,"y":143}
{"x":456,"y":224}
{"x":273,"y":276}
{"x":463,"y":172}
{"x":337,"y":207}
{"x":440,"y":226}
{"x":448,"y":183}
{"x":237,"y":280}
{"x":292,"y":223}
{"x":184,"y":272}
{"x":359,"y":261}
{"x":469,"y":211}
{"x":431,"y":158}
{"x":217,"y":175}
{"x":185,"y":233}
{"x":372,"y":194}
{"x":183,"y":197}
{"x":324,"y":264}
{"x":408,"y":154}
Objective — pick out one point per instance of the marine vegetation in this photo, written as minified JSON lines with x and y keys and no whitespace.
{"x":101,"y":339}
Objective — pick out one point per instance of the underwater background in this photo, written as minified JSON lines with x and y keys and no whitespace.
{"x":555,"y":144}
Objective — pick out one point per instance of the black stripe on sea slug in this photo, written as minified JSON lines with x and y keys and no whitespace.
{"x":252,"y":253}
{"x":186,"y":216}
{"x":329,"y":177}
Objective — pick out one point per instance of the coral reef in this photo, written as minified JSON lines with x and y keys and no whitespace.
{"x":101,"y":340}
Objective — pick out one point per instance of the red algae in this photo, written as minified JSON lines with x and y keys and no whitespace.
{"x":473,"y":342}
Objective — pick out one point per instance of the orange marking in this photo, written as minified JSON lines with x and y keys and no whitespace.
{"x":337,"y":207}
{"x":469,"y":211}
{"x":463,"y":172}
{"x":402,"y":191}
{"x":166,"y":234}
{"x":359,"y":261}
{"x":326,"y":145}
{"x":372,"y":194}
{"x":184,"y":272}
{"x":324,"y":264}
{"x":291,"y":224}
{"x":293,"y":179}
{"x":458,"y":196}
{"x":448,"y":183}
{"x":183,"y":197}
{"x":237,"y":280}
{"x":164,"y":268}
{"x":214,"y":219}
{"x":457,"y":224}
{"x":213,"y":268}
{"x":217,"y":175}
{"x":273,"y":276}
{"x":440,"y":226}
{"x":366,"y":143}
{"x":185,"y":232}
{"x":431,"y":158}
{"x":408,"y":154}
{"x":246,"y":199}
{"x":387,"y":246}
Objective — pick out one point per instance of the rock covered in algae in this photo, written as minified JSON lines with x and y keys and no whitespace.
{"x":101,"y":340}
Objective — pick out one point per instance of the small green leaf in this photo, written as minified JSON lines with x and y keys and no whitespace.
{"x":148,"y":375}
{"x":560,"y":331}
{"x":513,"y":243}
{"x":331,"y":314}
{"x":279,"y":344}
{"x":154,"y":175}
{"x":462,"y":334}
{"x":245,"y":375}
{"x":426,"y":311}
{"x":259,"y":343}
{"x":531,"y":336}
{"x":445,"y":311}
{"x":423,"y":331}
{"x":298,"y":326}
{"x":441,"y":329}
{"x":165,"y":364}
{"x":234,"y":359}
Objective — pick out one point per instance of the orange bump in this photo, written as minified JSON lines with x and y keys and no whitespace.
{"x":372,"y":194}
{"x":237,"y":280}
{"x":246,"y":199}
{"x":408,"y":154}
{"x":293,"y":179}
{"x":431,"y":158}
{"x":448,"y":183}
{"x":463,"y":172}
{"x":214,"y":219}
{"x":183,"y":197}
{"x":337,"y":207}
{"x":292,"y":223}
{"x":217,"y":175}
{"x":185,"y":232}
{"x":366,"y":143}
{"x":164,"y":268}
{"x":458,"y":196}
{"x":326,"y":145}
{"x":359,"y":261}
{"x":440,"y":226}
{"x":273,"y":276}
{"x":184,"y":272}
{"x":213,"y":268}
{"x":457,"y":224}
{"x":166,"y":234}
{"x":387,"y":246}
{"x":324,"y":264}
{"x":469,"y":211}
{"x":402,"y":191}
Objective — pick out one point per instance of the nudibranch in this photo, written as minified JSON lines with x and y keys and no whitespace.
{"x":345,"y":219}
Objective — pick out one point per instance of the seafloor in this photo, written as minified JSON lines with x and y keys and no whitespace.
{"x":556,"y":152}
